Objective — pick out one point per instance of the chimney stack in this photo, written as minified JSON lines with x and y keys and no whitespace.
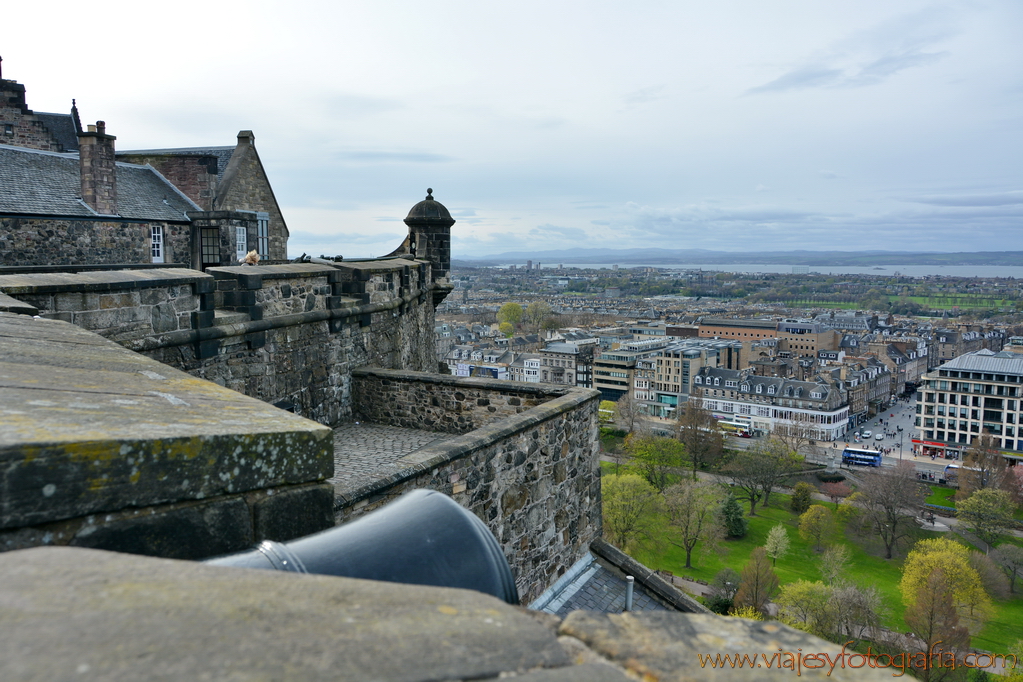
{"x":98,"y":170}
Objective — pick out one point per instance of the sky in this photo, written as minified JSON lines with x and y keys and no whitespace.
{"x":730,"y":125}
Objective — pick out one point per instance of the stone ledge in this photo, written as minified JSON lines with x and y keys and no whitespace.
{"x":87,"y":614}
{"x":497,"y":385}
{"x":13,"y":305}
{"x":112,"y":280}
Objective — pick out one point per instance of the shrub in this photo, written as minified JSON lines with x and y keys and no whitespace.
{"x":825,"y":477}
{"x":802,"y":495}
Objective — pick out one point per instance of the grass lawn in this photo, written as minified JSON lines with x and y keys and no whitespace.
{"x":867,"y":566}
{"x":941,"y":496}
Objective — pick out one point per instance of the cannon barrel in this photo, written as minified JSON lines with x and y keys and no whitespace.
{"x":423,"y":538}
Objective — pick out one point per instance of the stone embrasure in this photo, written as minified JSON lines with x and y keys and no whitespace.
{"x":69,"y":613}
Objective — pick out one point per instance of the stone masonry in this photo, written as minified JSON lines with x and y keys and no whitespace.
{"x":531,"y":473}
{"x":71,"y":241}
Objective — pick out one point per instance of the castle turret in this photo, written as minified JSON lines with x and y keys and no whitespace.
{"x":429,"y":235}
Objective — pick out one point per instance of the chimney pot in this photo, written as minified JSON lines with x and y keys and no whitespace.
{"x":91,"y":128}
{"x":101,"y":127}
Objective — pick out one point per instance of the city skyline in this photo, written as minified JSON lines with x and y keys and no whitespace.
{"x":732,"y":127}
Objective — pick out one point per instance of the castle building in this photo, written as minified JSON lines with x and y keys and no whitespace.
{"x":69,"y":198}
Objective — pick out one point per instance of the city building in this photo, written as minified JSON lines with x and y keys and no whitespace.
{"x":741,"y":329}
{"x":973,"y":394}
{"x":768,"y":403}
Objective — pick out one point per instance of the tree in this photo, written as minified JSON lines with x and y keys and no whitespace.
{"x":799,"y":437}
{"x":834,"y":612}
{"x":983,"y":467}
{"x":507,"y":329}
{"x":510,"y":313}
{"x":1010,"y":559}
{"x":536,"y":312}
{"x":836,"y":491}
{"x":972,"y":603}
{"x":629,"y":508}
{"x":777,"y":543}
{"x":658,"y":458}
{"x":802,"y":496}
{"x":697,"y":430}
{"x":692,"y":508}
{"x":627,"y":413}
{"x":816,"y":524}
{"x":758,"y":470}
{"x":934,"y":618}
{"x":987,"y":512}
{"x":732,"y":517}
{"x":723,"y":587}
{"x":991,"y":576}
{"x":758,"y":583}
{"x":833,"y":563}
{"x":889,"y":502}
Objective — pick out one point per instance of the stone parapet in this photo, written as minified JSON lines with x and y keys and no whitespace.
{"x":121,"y":305}
{"x":92,"y":430}
{"x":440,"y":402}
{"x":84,"y":614}
{"x":530,"y":472}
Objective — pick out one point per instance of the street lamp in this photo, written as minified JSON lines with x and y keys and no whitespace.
{"x":902,"y":437}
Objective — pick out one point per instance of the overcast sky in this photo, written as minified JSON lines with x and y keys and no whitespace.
{"x":725,"y":125}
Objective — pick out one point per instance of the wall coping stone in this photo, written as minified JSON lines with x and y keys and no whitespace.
{"x":114,"y":280}
{"x":487,"y":383}
{"x":13,"y":305}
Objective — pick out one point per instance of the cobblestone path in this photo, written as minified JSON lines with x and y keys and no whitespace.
{"x":365,"y":452}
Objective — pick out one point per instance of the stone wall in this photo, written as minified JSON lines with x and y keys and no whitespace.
{"x":433,"y":402}
{"x":75,"y":242}
{"x":531,"y":473}
{"x":120,"y":305}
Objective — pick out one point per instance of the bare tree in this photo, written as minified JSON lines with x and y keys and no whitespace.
{"x":627,"y":413}
{"x":1010,"y":559}
{"x":889,"y":499}
{"x":933,"y":618}
{"x":833,"y":563}
{"x":693,"y":514}
{"x":799,"y":437}
{"x":758,"y":583}
{"x":984,"y":466}
{"x":697,"y":430}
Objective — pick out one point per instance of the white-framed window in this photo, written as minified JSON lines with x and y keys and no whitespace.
{"x":157,"y":243}
{"x":241,"y":241}
{"x":770,"y":390}
{"x":760,"y":388}
{"x":263,"y":234}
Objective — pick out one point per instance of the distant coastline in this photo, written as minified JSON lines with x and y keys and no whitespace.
{"x":819,"y":261}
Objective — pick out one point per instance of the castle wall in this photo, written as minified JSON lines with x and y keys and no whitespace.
{"x":529,"y":467}
{"x":56,"y":241}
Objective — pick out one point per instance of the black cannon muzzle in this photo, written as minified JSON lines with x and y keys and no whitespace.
{"x":423,"y":538}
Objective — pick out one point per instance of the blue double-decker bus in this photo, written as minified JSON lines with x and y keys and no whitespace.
{"x":862,"y":457}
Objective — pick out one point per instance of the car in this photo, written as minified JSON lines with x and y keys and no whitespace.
{"x":879,"y":436}
{"x":866,"y":434}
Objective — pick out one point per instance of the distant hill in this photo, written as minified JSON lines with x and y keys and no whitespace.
{"x":700,"y":256}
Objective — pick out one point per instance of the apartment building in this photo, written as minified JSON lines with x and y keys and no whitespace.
{"x":567,"y":363}
{"x":973,"y":394}
{"x":741,"y":329}
{"x":766,"y":403}
{"x":614,"y":370}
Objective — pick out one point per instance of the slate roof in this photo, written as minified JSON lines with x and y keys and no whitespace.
{"x":1002,"y":362}
{"x":42,"y":183}
{"x":62,"y":127}
{"x":592,"y":586}
{"x":223,"y":154}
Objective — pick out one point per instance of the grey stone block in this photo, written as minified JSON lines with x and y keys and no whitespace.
{"x":194,"y":532}
{"x":289,"y":514}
